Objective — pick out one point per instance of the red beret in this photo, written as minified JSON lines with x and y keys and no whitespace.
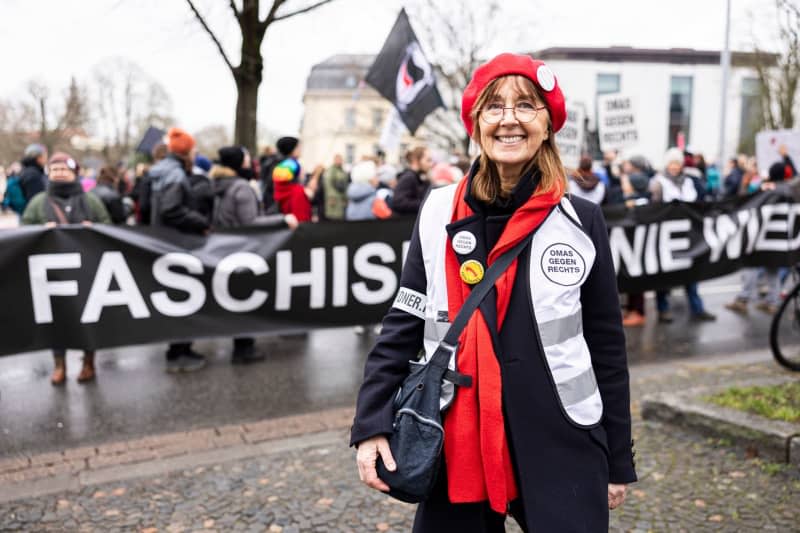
{"x":523,"y":65}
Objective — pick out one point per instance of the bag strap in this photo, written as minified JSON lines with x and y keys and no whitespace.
{"x":449,"y":344}
{"x":62,"y":218}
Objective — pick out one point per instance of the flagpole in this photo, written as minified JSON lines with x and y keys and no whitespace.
{"x":725,"y":63}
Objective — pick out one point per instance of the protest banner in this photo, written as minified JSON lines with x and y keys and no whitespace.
{"x":103,"y":286}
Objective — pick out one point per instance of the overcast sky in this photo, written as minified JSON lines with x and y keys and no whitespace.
{"x":55,"y":39}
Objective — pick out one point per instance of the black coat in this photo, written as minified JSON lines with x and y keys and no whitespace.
{"x":409,"y":193}
{"x":172,"y":201}
{"x":32,"y":178}
{"x":562,"y":470}
{"x":113,"y":202}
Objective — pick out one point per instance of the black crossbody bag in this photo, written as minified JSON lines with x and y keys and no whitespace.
{"x":417,"y":432}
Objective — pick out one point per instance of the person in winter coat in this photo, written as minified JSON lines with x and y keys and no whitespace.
{"x":733,"y":181}
{"x":236,"y":205}
{"x":412,"y":183}
{"x":202,"y":190}
{"x":334,"y":184}
{"x":173,"y":204}
{"x":584,"y":183}
{"x":362,"y":191}
{"x":544,"y":431}
{"x":635,"y":188}
{"x":291,"y":195}
{"x":267,"y":163}
{"x":673,"y":185}
{"x":32,"y":178}
{"x":106,"y":190}
{"x":65,"y":202}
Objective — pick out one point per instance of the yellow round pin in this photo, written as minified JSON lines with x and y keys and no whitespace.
{"x":471,"y":271}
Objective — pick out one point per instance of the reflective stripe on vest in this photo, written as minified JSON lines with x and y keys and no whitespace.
{"x":561,"y":258}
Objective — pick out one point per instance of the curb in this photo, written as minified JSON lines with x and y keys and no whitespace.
{"x":24,"y":476}
{"x":773,"y":439}
{"x":65,"y":482}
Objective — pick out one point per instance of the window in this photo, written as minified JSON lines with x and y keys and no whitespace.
{"x":377,"y":118}
{"x":680,"y":108}
{"x":607,"y":84}
{"x":350,"y":118}
{"x":350,"y":153}
{"x":750,"y":118}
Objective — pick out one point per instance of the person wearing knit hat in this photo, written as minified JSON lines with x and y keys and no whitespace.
{"x":292,"y":194}
{"x":361,"y":191}
{"x":288,"y":147}
{"x":673,"y":185}
{"x":65,"y":202}
{"x":542,"y":430}
{"x":32,"y":178}
{"x":237,"y":205}
{"x":174,"y":203}
{"x":179,"y":142}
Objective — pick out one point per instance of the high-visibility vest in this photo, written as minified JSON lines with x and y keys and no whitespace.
{"x":561,"y":257}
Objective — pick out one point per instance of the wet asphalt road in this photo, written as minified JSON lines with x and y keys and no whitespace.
{"x":134,"y":397}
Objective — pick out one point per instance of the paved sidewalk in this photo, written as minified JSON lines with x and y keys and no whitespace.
{"x":226,"y":479}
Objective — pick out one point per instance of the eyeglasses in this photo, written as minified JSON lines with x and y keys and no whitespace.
{"x":522,"y":111}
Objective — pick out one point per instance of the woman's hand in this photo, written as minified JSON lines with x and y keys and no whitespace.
{"x":50,"y":224}
{"x":367,"y":457}
{"x":616,"y":495}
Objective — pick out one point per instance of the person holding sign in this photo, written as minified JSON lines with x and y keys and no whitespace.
{"x":539,"y":426}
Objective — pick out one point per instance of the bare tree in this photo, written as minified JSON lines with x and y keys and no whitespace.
{"x":128,"y":100}
{"x":15,"y":122}
{"x":212,"y":138}
{"x":778,"y":79}
{"x":248,"y":75}
{"x":55,"y":120}
{"x":457,"y":41}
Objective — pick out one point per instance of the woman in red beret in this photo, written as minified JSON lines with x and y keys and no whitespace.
{"x":543,"y":432}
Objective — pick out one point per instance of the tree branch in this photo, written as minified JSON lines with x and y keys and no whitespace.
{"x":299,"y":11}
{"x":213,"y":37}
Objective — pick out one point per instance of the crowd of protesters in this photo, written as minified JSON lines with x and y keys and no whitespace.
{"x":683,"y":176}
{"x":197,"y":193}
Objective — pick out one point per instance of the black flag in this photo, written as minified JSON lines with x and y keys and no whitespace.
{"x":403,"y":75}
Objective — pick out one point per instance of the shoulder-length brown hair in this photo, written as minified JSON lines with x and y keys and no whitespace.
{"x":486,"y":182}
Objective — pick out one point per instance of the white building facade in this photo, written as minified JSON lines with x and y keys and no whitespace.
{"x":676,"y":91}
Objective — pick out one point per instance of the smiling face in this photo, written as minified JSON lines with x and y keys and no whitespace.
{"x":509,"y":143}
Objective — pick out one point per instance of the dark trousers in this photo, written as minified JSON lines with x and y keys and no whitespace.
{"x":243,"y":343}
{"x":437,"y":514}
{"x":636,"y":302}
{"x":692,"y":296}
{"x":176,"y":349}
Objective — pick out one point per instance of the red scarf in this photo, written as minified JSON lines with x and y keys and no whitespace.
{"x":476,"y":451}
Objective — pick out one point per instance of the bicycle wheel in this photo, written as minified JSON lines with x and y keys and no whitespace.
{"x":784,"y":332}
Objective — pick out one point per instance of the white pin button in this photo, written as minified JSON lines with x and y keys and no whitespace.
{"x":546,"y":78}
{"x":464,"y":242}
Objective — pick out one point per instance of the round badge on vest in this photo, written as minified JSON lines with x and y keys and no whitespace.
{"x":471,"y":272}
{"x":464,"y":242}
{"x":563,"y":265}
